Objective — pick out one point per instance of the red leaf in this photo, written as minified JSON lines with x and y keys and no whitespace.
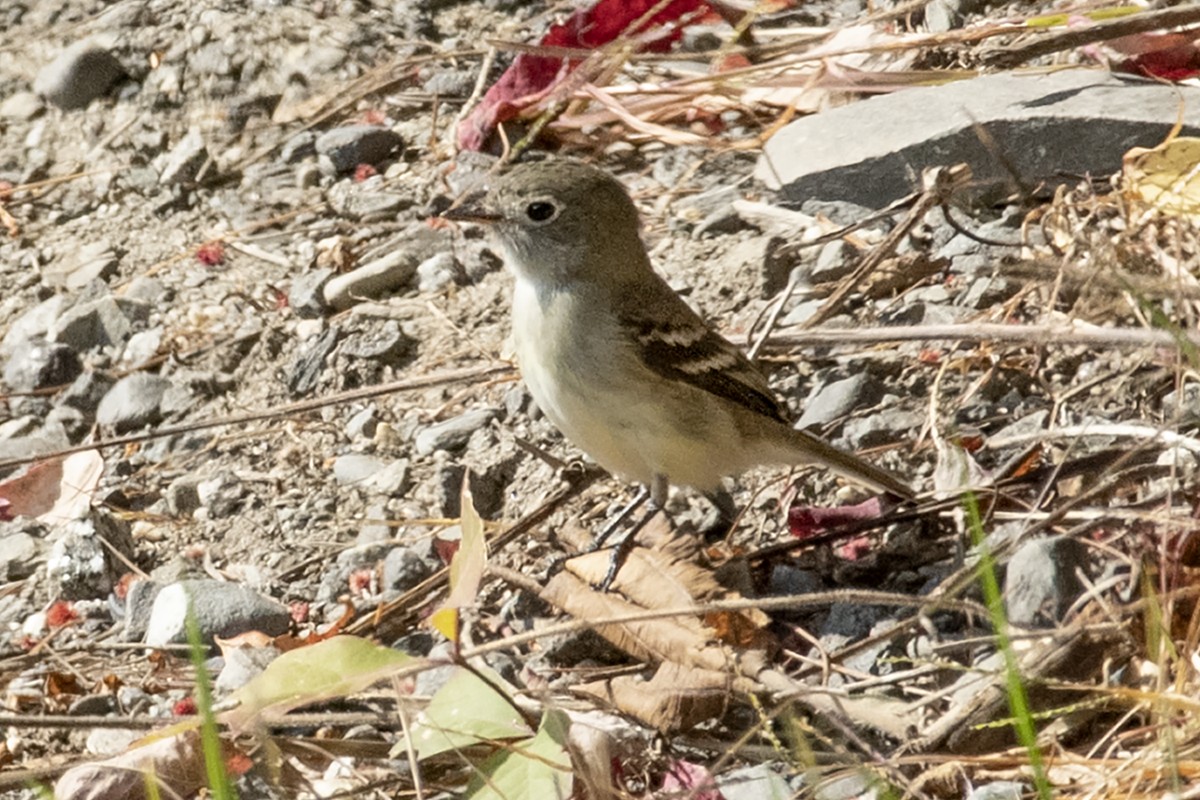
{"x":686,"y":779}
{"x":805,"y":522}
{"x":530,"y":75}
{"x":211,"y":253}
{"x":61,"y":613}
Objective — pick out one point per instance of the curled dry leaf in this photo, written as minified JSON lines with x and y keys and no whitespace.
{"x":1165,"y":178}
{"x":175,"y":762}
{"x":55,"y":490}
{"x":676,"y":698}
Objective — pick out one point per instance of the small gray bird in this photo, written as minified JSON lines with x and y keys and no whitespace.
{"x":614,"y":357}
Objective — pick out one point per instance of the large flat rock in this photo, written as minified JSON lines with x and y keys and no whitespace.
{"x":1048,"y":126}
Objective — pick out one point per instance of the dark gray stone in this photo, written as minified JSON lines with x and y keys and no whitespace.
{"x":20,"y":555}
{"x":307,"y":294}
{"x":98,"y":323}
{"x":998,"y":790}
{"x":366,"y":202}
{"x":439,"y":271}
{"x":342,"y":149}
{"x":79,"y":74}
{"x":834,"y":262}
{"x":375,"y":529}
{"x":402,"y":570}
{"x":756,"y":782}
{"x":220,"y":609}
{"x":80,"y":565}
{"x":183,"y":496}
{"x":93,"y":261}
{"x":352,"y":469}
{"x":139,"y":602}
{"x":133,"y":402}
{"x":299,"y":147}
{"x":183,"y":163}
{"x":384,"y":342}
{"x":35,"y":323}
{"x":41,"y":364}
{"x":21,"y":106}
{"x":372,"y":280}
{"x":1069,"y":122}
{"x":363,"y":424}
{"x":1042,"y":580}
{"x":837,"y":399}
{"x":452,"y":434}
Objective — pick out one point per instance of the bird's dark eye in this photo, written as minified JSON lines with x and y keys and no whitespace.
{"x":540,"y":210}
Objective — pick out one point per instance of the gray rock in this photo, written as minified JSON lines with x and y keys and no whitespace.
{"x":835,"y":261}
{"x":342,"y":149}
{"x":19,"y":426}
{"x":879,"y":428}
{"x":223,"y":496}
{"x":369,"y":472}
{"x":334,"y":578}
{"x":80,"y":565}
{"x":439,"y":271}
{"x":72,"y":421}
{"x":854,"y":786}
{"x":375,"y":529}
{"x":372,"y":280}
{"x":363,"y":424}
{"x":183,"y":163}
{"x":145,"y":290}
{"x":142,"y":346}
{"x":98,"y":323}
{"x":79,"y":74}
{"x":242,"y":664}
{"x":183,"y":496}
{"x":1069,"y":122}
{"x":299,"y":147}
{"x":220,"y":609}
{"x":835,"y":400}
{"x":139,"y":602}
{"x":384,"y":342}
{"x":757,"y":782}
{"x":93,"y":261}
{"x":306,"y":297}
{"x":998,"y":790}
{"x":402,"y":570}
{"x":210,"y":59}
{"x":452,"y":434}
{"x":21,"y":106}
{"x":366,"y":202}
{"x":35,"y":323}
{"x":86,"y":392}
{"x":449,"y":83}
{"x":801,"y":312}
{"x":987,"y":291}
{"x":354,"y":468}
{"x":133,"y":402}
{"x":789,"y":581}
{"x":41,"y":364}
{"x":20,"y":555}
{"x":46,"y":440}
{"x":1042,"y":580}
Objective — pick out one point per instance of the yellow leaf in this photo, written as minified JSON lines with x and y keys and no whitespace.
{"x":1166,"y":177}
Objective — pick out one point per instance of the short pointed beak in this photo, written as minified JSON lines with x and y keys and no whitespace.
{"x":470,"y":208}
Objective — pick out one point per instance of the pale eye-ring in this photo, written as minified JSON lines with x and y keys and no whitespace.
{"x":541,"y":211}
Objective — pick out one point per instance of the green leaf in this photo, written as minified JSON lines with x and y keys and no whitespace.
{"x":465,"y":711}
{"x":536,"y":769}
{"x":333,"y":668}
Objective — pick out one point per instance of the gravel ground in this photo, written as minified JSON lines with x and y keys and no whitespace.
{"x":192,"y":179}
